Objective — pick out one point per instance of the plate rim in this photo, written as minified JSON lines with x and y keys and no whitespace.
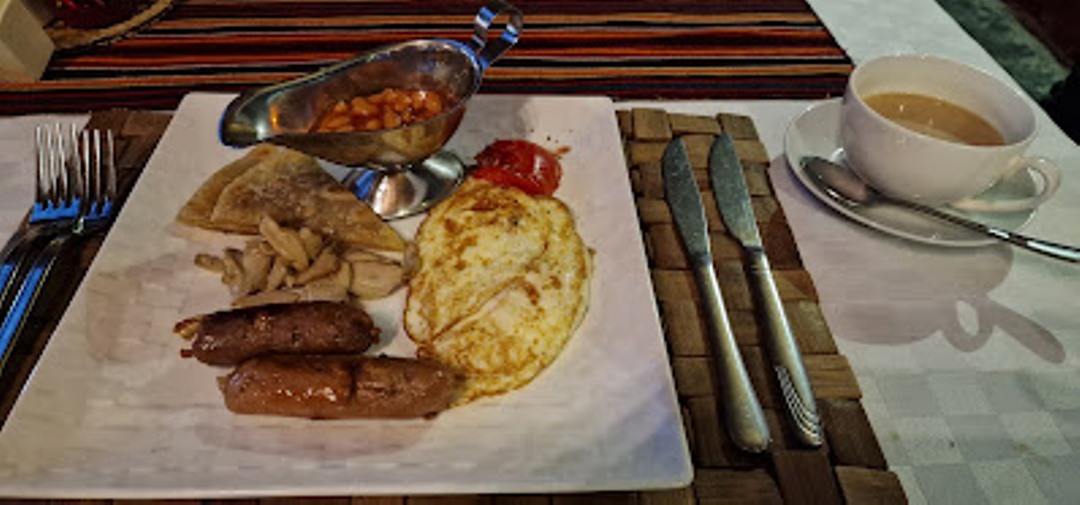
{"x":678,"y":475}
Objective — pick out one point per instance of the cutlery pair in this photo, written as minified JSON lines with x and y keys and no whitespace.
{"x":75,"y":192}
{"x":743,"y":415}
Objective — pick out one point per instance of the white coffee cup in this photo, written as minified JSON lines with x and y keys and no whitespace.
{"x":903,"y":163}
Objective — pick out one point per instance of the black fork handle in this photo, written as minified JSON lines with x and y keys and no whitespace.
{"x":15,"y":256}
{"x":11,"y":258}
{"x":25,"y":299}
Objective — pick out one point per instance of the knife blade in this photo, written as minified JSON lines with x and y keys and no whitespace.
{"x":733,"y":200}
{"x":742,"y":413}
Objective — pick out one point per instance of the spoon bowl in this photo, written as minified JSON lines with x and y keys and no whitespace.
{"x":842,"y":185}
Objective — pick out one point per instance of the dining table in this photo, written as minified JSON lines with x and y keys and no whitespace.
{"x":946,"y":370}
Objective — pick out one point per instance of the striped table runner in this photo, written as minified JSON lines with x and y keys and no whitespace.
{"x":679,"y":49}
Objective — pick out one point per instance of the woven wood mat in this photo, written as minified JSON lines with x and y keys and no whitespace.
{"x":849,"y":468}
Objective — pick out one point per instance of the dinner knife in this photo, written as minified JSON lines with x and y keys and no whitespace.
{"x":733,"y":200}
{"x":742,"y":413}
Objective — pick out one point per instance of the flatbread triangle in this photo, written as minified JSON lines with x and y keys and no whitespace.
{"x":295,"y":191}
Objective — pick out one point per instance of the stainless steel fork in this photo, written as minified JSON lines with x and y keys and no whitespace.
{"x":95,"y":164}
{"x":56,"y":205}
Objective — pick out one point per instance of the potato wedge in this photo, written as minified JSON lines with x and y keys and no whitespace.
{"x":256,"y":268}
{"x":187,"y":328}
{"x":343,"y":276}
{"x":313,"y":243}
{"x":354,"y":255}
{"x":210,"y":263}
{"x":234,"y":272}
{"x":266,"y":298}
{"x":326,"y":264}
{"x":323,"y":292}
{"x":375,"y":279}
{"x":276,"y":277}
{"x":284,"y":243}
{"x":285,"y":265}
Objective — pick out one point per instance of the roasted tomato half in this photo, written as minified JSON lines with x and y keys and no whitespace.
{"x":521,"y":164}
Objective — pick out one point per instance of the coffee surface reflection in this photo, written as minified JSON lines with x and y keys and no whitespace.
{"x":935,"y":117}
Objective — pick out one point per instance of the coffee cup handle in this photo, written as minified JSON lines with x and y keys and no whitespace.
{"x":1051,"y":177}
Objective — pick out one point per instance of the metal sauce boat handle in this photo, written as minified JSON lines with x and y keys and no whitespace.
{"x":487,"y":52}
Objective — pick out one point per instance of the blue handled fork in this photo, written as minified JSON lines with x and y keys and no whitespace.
{"x":95,"y":165}
{"x":56,"y":206}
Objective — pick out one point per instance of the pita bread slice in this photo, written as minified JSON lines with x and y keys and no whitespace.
{"x":196,"y":212}
{"x":295,"y":191}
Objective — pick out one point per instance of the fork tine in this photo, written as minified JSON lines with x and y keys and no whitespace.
{"x":41,"y":192}
{"x":99,"y":173}
{"x":92,"y":166}
{"x":110,"y":159}
{"x":85,"y":153}
{"x":97,"y":198}
{"x":91,"y":160}
{"x":49,"y":182}
{"x":82,"y":162}
{"x":59,"y":167}
{"x":99,"y":170}
{"x":61,"y":184}
{"x":72,"y":175}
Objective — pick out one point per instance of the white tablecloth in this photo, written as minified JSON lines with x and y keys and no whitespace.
{"x":968,"y":359}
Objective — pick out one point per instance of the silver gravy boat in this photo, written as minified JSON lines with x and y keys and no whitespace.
{"x":399,"y":171}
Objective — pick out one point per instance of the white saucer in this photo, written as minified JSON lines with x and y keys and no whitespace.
{"x":816,"y":132}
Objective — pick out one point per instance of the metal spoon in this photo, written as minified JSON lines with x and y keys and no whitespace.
{"x":845,"y":187}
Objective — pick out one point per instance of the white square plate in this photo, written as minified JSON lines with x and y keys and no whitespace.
{"x":113,"y":411}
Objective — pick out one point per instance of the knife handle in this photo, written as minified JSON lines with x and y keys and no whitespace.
{"x":784,"y":352}
{"x":742,"y":413}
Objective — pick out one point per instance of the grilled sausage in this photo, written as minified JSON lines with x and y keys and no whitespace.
{"x":229,"y":337}
{"x":339,"y":386}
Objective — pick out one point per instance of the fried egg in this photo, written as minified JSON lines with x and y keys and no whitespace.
{"x":502,"y":285}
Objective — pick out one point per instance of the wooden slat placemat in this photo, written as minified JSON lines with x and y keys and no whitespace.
{"x":849,"y":468}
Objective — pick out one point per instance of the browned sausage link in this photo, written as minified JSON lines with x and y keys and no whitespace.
{"x":339,"y":387}
{"x":229,"y":337}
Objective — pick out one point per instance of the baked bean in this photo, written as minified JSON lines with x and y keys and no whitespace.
{"x":336,"y":121}
{"x":389,"y":108}
{"x":391,"y":119}
{"x":362,"y":107}
{"x":433,"y":103}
